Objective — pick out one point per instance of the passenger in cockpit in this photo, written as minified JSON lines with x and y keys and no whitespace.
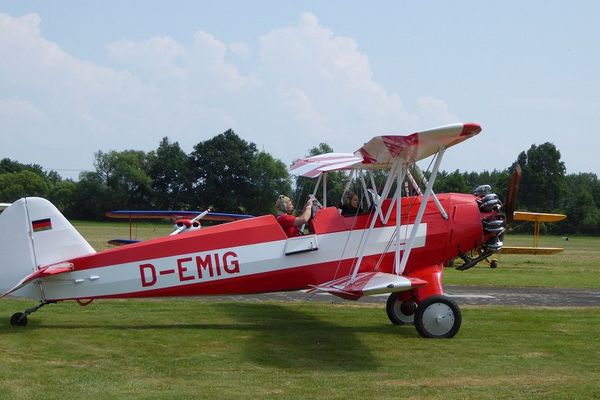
{"x":351,"y":204}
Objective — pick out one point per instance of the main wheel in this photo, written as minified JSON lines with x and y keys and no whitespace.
{"x":400,"y":312}
{"x":18,"y":319}
{"x":438,"y":317}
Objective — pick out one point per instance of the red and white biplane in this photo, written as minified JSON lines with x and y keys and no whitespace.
{"x":400,"y":247}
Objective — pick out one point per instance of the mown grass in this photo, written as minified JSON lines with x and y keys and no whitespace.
{"x":180,"y":349}
{"x":98,"y":233}
{"x":191,"y":348}
{"x":578,"y":266}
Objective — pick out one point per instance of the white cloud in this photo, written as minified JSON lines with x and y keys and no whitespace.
{"x":240,"y":49}
{"x":154,"y":58}
{"x":435,"y":111}
{"x":304,"y":86}
{"x":18,"y":110}
{"x":301,"y":109}
{"x":207,"y":64}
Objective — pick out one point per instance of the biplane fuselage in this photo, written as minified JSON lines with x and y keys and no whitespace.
{"x":255,"y":256}
{"x":399,"y":247}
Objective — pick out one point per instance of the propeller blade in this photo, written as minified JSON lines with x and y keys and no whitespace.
{"x":511,"y":197}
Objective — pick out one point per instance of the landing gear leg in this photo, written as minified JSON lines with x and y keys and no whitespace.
{"x":20,"y":318}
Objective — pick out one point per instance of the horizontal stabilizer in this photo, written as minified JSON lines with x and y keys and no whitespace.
{"x":367,"y":284}
{"x":43,"y":272}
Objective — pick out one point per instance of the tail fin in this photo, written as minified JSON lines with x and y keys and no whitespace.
{"x":34,"y":233}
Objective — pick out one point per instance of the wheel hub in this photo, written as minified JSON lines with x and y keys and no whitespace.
{"x":438,"y":318}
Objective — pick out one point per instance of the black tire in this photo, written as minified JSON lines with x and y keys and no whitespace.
{"x":399,"y":312}
{"x":18,"y":319}
{"x":438,"y":317}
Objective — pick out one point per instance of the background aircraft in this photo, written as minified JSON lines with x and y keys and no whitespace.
{"x":535,"y":217}
{"x":183,"y":220}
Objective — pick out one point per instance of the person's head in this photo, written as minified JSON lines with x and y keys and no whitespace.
{"x":284,"y":204}
{"x":352,"y":200}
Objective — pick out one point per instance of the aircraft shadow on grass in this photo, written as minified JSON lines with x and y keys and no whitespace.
{"x":286,"y":337}
{"x":273,"y":335}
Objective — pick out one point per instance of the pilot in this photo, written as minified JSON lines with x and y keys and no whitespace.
{"x":351,"y":204}
{"x":289,"y":223}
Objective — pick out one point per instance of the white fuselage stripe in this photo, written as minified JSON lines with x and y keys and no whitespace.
{"x":185,"y":269}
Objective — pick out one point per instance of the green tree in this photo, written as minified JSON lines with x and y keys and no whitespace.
{"x":269,"y":178}
{"x":125,"y":173}
{"x":542,"y":182}
{"x":14,"y":185}
{"x":220,"y":170}
{"x":62,"y":195}
{"x":20,"y":180}
{"x":228,"y":174}
{"x":581,"y":205}
{"x":455,"y":182}
{"x":8,"y":165}
{"x":92,"y":197}
{"x":169,"y":172}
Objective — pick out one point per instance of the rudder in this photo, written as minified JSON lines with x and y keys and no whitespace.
{"x":34,"y":233}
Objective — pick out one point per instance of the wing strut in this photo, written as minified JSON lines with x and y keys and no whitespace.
{"x":435,"y":199}
{"x":428,"y":191}
{"x":398,"y":172}
{"x":377,"y":212}
{"x":414,"y":184}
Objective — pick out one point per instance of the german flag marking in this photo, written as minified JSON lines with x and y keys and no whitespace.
{"x":41,"y":225}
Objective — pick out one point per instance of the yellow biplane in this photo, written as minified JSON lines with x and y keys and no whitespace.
{"x":537,"y":219}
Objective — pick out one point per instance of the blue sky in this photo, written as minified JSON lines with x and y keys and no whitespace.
{"x":77,"y":77}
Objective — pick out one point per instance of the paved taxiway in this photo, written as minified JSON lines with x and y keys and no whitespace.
{"x":471,"y":295}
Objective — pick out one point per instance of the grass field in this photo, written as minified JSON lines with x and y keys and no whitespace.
{"x":181,"y":349}
{"x":577,"y":267}
{"x":191,"y":348}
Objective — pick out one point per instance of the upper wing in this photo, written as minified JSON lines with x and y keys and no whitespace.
{"x":312,"y":167}
{"x":142,"y":214}
{"x":537,"y":217}
{"x":381,"y":150}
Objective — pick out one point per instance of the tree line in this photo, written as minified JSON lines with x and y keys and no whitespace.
{"x":228,"y":174}
{"x":224,"y":173}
